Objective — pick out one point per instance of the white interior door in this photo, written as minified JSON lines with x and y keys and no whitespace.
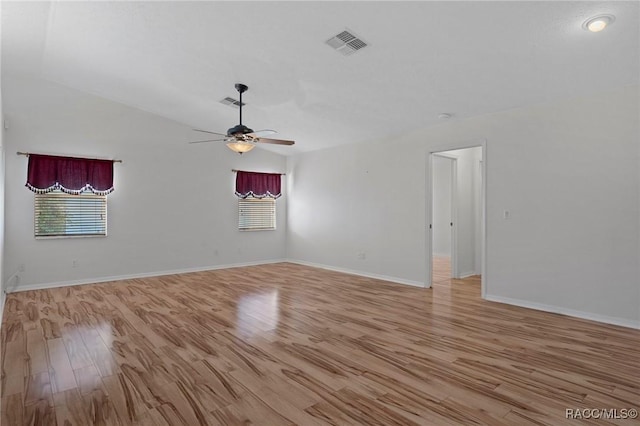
{"x":443,"y":213}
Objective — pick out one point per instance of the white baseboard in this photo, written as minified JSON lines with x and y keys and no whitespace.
{"x":467,"y":275}
{"x":41,"y":286}
{"x":359,"y":273}
{"x":565,"y":311}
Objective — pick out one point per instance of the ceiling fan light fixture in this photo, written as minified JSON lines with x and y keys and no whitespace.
{"x":240,"y":146}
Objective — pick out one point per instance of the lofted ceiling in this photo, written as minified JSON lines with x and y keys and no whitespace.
{"x":179,"y":59}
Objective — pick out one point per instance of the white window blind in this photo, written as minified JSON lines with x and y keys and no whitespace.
{"x":256,"y":214}
{"x":63,"y":215}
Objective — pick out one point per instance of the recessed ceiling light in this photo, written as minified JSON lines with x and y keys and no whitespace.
{"x":444,"y":116}
{"x":598,"y":23}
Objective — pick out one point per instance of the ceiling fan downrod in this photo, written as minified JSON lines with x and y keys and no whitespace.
{"x":241,"y":88}
{"x":240,"y":129}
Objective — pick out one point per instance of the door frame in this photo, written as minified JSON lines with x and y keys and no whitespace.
{"x":453,"y":235}
{"x":429,"y":206}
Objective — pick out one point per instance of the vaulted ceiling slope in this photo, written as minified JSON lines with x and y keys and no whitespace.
{"x":179,"y":59}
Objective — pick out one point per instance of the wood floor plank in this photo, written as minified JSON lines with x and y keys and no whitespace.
{"x":15,"y":362}
{"x":99,"y":409}
{"x":76,"y":350}
{"x":429,"y":413}
{"x":184,"y":404}
{"x":282,"y":405}
{"x":101,"y":355}
{"x":38,"y":388}
{"x":287,"y":344}
{"x":167,"y":415}
{"x":40,"y":413}
{"x":216,"y":388}
{"x":37,"y":351}
{"x":70,"y":408}
{"x":62,"y":376}
{"x":257,"y":412}
{"x":286,"y":389}
{"x":127,"y":402}
{"x":87,"y":379}
{"x":13,"y":384}
{"x":12,"y":409}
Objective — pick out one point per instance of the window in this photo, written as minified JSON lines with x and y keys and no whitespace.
{"x":256,"y":214}
{"x":63,"y":215}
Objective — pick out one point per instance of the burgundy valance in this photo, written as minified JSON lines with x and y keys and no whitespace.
{"x":258,"y":185}
{"x":69,"y":174}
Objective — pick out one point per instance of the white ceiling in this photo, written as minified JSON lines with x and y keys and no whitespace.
{"x":179,"y":59}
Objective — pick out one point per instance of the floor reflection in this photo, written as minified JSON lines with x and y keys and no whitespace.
{"x":106,"y":332}
{"x":258,"y":312}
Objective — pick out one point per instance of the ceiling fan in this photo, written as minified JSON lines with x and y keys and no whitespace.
{"x":240,"y":138}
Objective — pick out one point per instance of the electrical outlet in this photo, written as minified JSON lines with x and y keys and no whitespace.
{"x":74,"y":263}
{"x":21,"y":267}
{"x":362,"y":255}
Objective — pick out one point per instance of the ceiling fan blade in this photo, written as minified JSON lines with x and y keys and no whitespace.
{"x":261,"y":133}
{"x":209,"y":140}
{"x":206,"y":131}
{"x":274,"y":141}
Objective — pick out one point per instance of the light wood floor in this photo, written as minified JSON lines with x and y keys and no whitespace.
{"x":287,"y":344}
{"x":441,"y":269}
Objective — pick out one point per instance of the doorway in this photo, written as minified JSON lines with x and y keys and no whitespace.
{"x":456,"y":231}
{"x":444,"y":178}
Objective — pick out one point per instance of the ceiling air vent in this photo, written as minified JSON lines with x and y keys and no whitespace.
{"x":346,"y":43}
{"x":231,"y":102}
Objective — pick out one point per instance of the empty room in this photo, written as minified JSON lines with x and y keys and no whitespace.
{"x":320,"y":213}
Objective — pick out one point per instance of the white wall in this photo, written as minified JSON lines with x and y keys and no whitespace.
{"x":2,"y":167}
{"x":360,"y":199}
{"x":567,"y":171}
{"x":173,"y":207}
{"x":442,"y":215}
{"x":2,"y":207}
{"x":2,"y":202}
